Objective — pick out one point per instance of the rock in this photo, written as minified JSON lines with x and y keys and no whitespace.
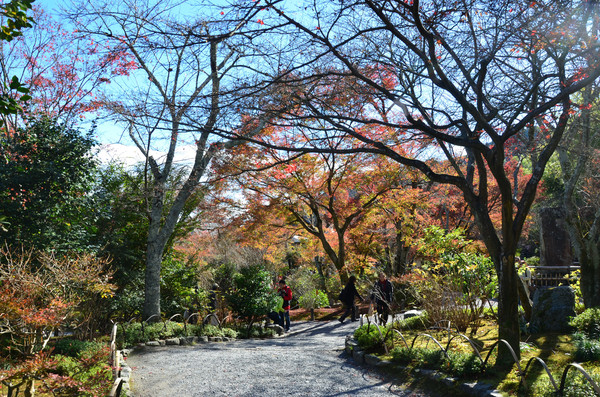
{"x":275,"y":327}
{"x":351,"y":345}
{"x":552,"y":308}
{"x":412,"y":313}
{"x":125,"y":372}
{"x":172,"y":341}
{"x":188,"y":340}
{"x":358,"y":356}
{"x":153,"y":343}
{"x":372,"y":360}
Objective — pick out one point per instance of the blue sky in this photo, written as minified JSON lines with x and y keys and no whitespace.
{"x":108,"y":133}
{"x":114,"y":141}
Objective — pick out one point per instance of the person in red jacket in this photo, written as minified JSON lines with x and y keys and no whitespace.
{"x":286,"y":293}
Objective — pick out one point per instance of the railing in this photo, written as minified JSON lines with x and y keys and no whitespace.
{"x":550,"y":276}
{"x":115,"y":364}
{"x":522,"y":373}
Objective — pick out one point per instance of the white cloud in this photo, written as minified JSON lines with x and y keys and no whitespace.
{"x":131,"y":155}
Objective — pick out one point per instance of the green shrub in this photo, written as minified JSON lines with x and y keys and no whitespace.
{"x":73,"y":347}
{"x":257,"y":331}
{"x":430,"y":358}
{"x":65,"y":365}
{"x":210,"y":330}
{"x":575,"y":386}
{"x":252,"y":295}
{"x":230,"y":333}
{"x":131,"y":334}
{"x":402,"y":355}
{"x":414,"y":323}
{"x":174,"y":329}
{"x":457,"y":364}
{"x":313,"y":299}
{"x":86,"y":376}
{"x":586,"y":349}
{"x":369,"y":337}
{"x":588,"y":322}
{"x":463,"y":365}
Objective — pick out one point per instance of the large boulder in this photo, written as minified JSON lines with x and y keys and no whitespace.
{"x":552,"y":309}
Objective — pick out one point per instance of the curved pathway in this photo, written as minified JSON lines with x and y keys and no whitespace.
{"x":309,"y":361}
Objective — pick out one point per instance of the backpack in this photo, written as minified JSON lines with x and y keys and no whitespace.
{"x":342,"y":295}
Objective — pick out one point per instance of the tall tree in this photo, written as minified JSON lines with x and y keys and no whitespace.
{"x":469,"y":77}
{"x":325,"y":195}
{"x":122,"y":227}
{"x":177,"y":97}
{"x":579,"y":159}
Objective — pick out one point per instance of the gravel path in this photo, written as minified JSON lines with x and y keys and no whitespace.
{"x":309,"y":361}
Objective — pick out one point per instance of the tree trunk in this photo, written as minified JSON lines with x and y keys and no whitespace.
{"x":590,"y":275}
{"x":29,"y":388}
{"x":152,"y":280}
{"x":502,"y":253}
{"x":508,"y":311}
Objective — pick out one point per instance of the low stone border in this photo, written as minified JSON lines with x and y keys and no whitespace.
{"x":361,"y":358}
{"x":186,"y":341}
{"x":123,"y":373}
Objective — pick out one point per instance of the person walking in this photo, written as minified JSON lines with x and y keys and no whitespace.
{"x":286,"y":293}
{"x":347,"y":296}
{"x":382,"y":295}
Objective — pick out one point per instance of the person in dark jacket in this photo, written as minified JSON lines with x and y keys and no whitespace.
{"x":347,"y":296}
{"x":382,"y":295}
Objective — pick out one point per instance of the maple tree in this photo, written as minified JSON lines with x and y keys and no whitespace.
{"x":323,"y":195}
{"x":64,"y":73}
{"x":41,"y":292}
{"x":388,"y":233}
{"x":468,"y":77}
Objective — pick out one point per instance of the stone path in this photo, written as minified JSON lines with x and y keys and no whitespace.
{"x":309,"y":361}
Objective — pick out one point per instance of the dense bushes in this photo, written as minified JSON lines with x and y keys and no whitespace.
{"x":82,"y":371}
{"x":588,"y":322}
{"x":457,"y":364}
{"x":587,"y":326}
{"x":586,"y":349}
{"x":454,"y":281}
{"x":74,"y":347}
{"x":313,"y":299}
{"x":369,"y":337}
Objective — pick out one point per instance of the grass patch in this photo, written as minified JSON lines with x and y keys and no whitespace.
{"x":557,"y":351}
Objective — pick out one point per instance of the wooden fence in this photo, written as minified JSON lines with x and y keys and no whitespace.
{"x":550,"y":276}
